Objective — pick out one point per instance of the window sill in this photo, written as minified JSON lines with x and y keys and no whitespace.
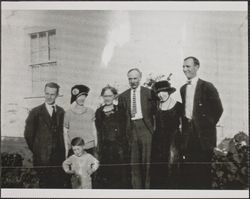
{"x":38,"y":96}
{"x":48,"y":62}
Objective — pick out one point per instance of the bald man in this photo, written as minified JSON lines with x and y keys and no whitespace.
{"x":137,"y":106}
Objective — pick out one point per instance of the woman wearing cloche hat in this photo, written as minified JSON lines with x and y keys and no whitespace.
{"x":165,"y":144}
{"x":79,"y":121}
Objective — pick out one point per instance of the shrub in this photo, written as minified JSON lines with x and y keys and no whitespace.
{"x":230,"y":163}
{"x":14,"y":175}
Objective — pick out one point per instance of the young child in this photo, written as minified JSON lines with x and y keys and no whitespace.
{"x":81,"y":164}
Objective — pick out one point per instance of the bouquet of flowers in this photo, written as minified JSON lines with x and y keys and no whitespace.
{"x":151,"y":79}
{"x":230,"y":163}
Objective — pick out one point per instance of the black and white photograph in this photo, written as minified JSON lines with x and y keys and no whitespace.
{"x":145,"y":97}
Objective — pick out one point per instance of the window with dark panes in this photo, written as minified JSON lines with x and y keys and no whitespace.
{"x":43,"y":60}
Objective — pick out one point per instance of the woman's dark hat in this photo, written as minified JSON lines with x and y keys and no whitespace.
{"x":77,"y":91}
{"x":163,"y":86}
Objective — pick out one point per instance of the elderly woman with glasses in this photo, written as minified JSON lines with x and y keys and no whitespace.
{"x":111,"y":143}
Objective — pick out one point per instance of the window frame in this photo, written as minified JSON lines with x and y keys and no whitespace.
{"x":49,"y":47}
{"x":40,"y":63}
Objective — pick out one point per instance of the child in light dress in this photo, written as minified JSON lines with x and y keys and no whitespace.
{"x":81,"y":164}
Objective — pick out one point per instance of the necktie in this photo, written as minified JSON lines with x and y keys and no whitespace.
{"x":134,"y":104}
{"x":53,"y":117}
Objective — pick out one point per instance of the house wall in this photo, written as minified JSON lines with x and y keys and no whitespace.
{"x":97,"y":48}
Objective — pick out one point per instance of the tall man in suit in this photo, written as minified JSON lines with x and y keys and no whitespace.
{"x":44,"y":136}
{"x":136,"y":106}
{"x":202,"y":111}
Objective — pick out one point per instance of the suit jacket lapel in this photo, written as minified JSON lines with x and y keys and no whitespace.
{"x":128,"y":96}
{"x":45,"y":115}
{"x":143,"y":105}
{"x":58,"y":114}
{"x":184,"y":94}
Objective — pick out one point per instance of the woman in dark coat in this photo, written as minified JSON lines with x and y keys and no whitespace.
{"x":166,"y":139}
{"x":111,"y":143}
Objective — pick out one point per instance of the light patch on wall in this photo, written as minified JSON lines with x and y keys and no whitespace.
{"x":118,"y":35}
{"x":183,"y":39}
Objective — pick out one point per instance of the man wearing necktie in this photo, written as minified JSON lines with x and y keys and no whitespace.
{"x":44,"y":136}
{"x":202,"y":111}
{"x":136,"y":106}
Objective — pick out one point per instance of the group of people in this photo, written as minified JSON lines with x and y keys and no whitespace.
{"x":146,"y":141}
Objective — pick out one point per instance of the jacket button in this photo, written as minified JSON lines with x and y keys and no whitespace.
{"x":203,"y":115}
{"x":200,"y":104}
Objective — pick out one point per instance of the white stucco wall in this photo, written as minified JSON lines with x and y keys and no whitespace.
{"x":154,"y":41}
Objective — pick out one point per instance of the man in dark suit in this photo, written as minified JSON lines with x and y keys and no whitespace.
{"x":136,"y":106}
{"x":44,"y":136}
{"x":202,"y":111}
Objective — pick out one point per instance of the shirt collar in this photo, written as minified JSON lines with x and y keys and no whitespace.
{"x":137,"y":89}
{"x":194,"y":80}
{"x":48,"y":106}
